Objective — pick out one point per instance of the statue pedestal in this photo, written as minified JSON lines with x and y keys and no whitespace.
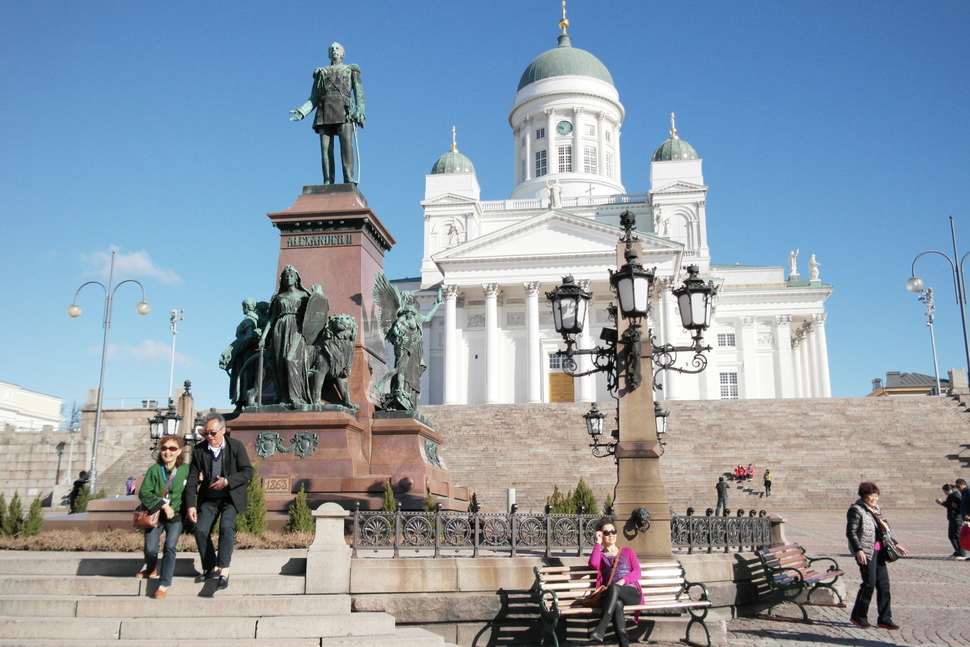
{"x":333,"y":239}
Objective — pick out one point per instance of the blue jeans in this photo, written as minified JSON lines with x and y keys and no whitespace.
{"x":207,"y":513}
{"x":721,"y":505}
{"x":153,"y":537}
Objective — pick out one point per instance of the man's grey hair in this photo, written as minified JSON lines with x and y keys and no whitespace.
{"x":213,"y":415}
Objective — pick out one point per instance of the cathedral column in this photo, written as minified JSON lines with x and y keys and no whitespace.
{"x":577,"y":141}
{"x":534,"y":348}
{"x":811,"y":366}
{"x":492,"y":383}
{"x":796,"y":355}
{"x":669,"y":316}
{"x":618,"y":170}
{"x":822,"y":356}
{"x":452,"y":363}
{"x":600,"y":145}
{"x":528,"y":150}
{"x":552,"y":161}
{"x":747,"y":388}
{"x":784,"y":378}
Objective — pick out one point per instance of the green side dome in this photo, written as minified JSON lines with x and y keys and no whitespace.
{"x":674,"y":150}
{"x":452,"y":162}
{"x":565,"y":60}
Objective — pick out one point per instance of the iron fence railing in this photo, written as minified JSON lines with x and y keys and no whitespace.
{"x":727,"y":533}
{"x":488,"y":533}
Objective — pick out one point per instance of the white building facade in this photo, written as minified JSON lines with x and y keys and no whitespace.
{"x":493,"y":340}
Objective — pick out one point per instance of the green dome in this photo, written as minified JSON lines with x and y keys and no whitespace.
{"x":452,"y":162}
{"x":674,"y":150}
{"x":564,"y":60}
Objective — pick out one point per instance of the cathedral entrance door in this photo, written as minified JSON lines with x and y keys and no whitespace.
{"x":560,"y":388}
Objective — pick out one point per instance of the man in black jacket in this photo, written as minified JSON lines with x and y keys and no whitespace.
{"x":218,"y":480}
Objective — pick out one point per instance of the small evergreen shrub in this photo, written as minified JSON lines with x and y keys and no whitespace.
{"x":35,"y":519}
{"x":13,"y":523}
{"x":301,"y":519}
{"x":254,"y":519}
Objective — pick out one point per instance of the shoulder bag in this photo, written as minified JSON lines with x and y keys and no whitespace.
{"x":889,"y":551}
{"x":594,"y":599}
{"x":143,"y":519}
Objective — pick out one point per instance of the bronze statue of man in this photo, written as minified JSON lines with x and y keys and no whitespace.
{"x":338,"y":97}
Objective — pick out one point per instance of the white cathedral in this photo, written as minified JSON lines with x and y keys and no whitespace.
{"x":493,"y":339}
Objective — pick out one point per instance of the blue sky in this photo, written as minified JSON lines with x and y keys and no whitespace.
{"x":161,"y":130}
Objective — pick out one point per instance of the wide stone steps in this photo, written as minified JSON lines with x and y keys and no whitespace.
{"x":817,"y":449}
{"x":94,"y":599}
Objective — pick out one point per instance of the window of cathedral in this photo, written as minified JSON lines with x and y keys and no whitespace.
{"x":555,"y":361}
{"x":609,"y":165}
{"x":729,"y":386}
{"x":541,"y":133}
{"x":540,"y":163}
{"x":590,"y":130}
{"x":565,"y":159}
{"x":589,"y":159}
{"x":726,"y":340}
{"x":523,"y":179}
{"x":523,"y":142}
{"x":609,"y":136}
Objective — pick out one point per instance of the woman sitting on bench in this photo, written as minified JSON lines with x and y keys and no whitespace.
{"x":619,"y":570}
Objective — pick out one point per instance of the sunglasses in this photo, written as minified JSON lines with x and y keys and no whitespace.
{"x":169,"y":449}
{"x":210,"y":433}
{"x":609,"y":532}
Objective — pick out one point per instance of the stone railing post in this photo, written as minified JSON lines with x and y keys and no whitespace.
{"x":778,"y":531}
{"x":328,"y":557}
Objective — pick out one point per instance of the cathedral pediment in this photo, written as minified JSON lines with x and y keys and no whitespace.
{"x":679,"y":187}
{"x":447,"y":200}
{"x":551,"y":235}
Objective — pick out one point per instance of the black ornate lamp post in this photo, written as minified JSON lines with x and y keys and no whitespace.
{"x":74,"y":310}
{"x":636,"y":444}
{"x":165,"y":423}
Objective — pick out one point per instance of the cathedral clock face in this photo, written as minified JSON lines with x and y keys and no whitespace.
{"x":564,"y":128}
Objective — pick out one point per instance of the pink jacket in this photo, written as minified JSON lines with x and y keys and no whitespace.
{"x":596,"y":561}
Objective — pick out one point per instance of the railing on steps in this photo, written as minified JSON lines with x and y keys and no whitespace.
{"x":500,"y":534}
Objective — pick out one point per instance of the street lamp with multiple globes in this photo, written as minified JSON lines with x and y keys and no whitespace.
{"x":165,"y":423}
{"x":639,"y":439}
{"x":915,"y":284}
{"x":74,"y":310}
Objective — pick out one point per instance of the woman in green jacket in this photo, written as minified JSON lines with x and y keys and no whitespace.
{"x":167,"y":468}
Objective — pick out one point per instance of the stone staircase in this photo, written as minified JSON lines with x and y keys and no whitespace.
{"x":134,"y":462}
{"x":817,"y":449}
{"x":84,"y":599}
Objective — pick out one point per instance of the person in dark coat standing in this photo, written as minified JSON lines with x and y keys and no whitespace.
{"x":219,"y":477}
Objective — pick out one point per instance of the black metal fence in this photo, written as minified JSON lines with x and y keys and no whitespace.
{"x":487,"y":533}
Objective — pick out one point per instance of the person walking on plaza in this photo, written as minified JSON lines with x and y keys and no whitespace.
{"x":866,"y":530}
{"x":218,"y":480}
{"x":951,"y":502}
{"x":722,"y":496}
{"x":130,"y":485}
{"x":964,"y":519}
{"x":767,"y":478}
{"x":162,"y":490}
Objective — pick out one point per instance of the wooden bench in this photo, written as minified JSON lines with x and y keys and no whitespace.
{"x":790,"y":573}
{"x":560,"y":590}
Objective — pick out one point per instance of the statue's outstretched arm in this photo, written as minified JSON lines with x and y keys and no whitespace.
{"x":301,"y":112}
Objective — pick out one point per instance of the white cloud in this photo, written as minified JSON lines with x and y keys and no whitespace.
{"x":127,"y":266}
{"x":149,"y":351}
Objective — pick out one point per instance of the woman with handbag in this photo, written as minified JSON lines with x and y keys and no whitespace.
{"x":617,"y":581}
{"x":873,"y":546}
{"x":161,"y":494}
